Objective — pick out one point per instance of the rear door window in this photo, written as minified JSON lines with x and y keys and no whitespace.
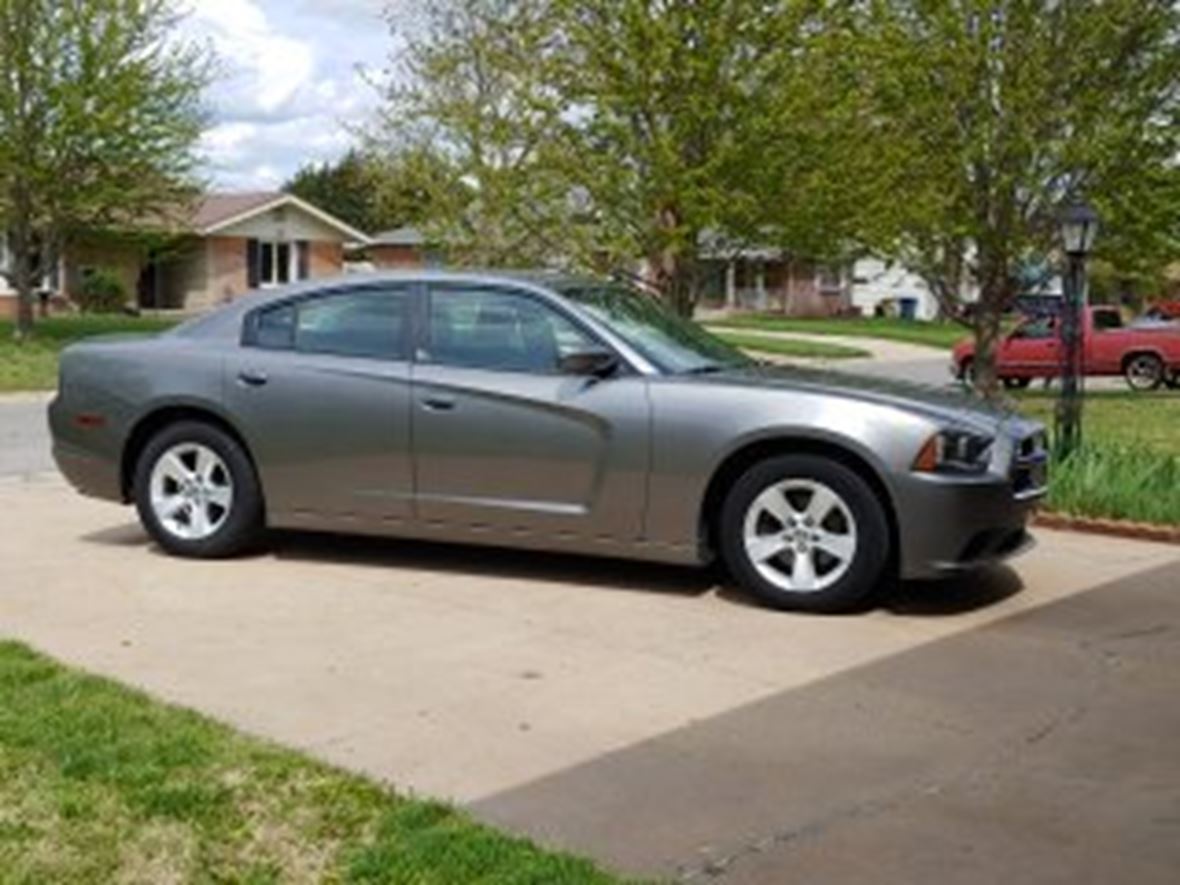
{"x":369,"y":323}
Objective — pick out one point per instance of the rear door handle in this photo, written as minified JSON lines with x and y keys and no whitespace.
{"x":252,"y":378}
{"x":438,"y":403}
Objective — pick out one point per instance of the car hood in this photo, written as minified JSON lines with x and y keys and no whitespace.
{"x":938,"y":403}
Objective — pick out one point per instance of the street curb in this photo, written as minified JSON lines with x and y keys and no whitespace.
{"x":27,"y":396}
{"x":1120,"y":528}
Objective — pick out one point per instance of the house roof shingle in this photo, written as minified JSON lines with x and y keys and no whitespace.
{"x":399,"y":236}
{"x":215,"y":208}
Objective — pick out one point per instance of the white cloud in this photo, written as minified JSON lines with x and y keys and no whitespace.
{"x":290,"y":82}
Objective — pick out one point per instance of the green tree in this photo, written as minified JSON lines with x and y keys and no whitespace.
{"x":100,"y":111}
{"x":344,"y":188}
{"x":465,"y":127}
{"x":992,"y":115}
{"x":603,"y":132}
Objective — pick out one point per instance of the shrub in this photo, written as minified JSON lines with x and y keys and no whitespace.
{"x":102,"y":292}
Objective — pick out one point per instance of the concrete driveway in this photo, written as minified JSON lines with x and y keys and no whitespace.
{"x":1020,"y":723}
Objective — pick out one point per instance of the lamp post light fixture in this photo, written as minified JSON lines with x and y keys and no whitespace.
{"x":1079,"y":228}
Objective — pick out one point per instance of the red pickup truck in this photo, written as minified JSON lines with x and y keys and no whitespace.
{"x":1146,"y":356}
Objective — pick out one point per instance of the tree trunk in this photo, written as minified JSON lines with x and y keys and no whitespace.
{"x":674,"y":275}
{"x":987,"y":336}
{"x":22,"y":277}
{"x":996,"y":292}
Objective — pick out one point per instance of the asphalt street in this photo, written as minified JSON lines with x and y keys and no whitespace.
{"x":24,"y":435}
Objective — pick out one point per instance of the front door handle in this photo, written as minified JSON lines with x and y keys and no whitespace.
{"x":436,"y":403}
{"x":252,"y":378}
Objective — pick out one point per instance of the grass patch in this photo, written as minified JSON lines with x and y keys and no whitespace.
{"x":32,"y":364}
{"x":790,"y":346}
{"x":99,"y":783}
{"x":930,"y":334}
{"x":1114,"y":481}
{"x":1118,"y":418}
{"x":1128,"y":466}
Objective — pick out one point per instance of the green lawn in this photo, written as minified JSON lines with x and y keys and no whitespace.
{"x":1129,"y":464}
{"x":789,"y":346}
{"x":32,"y":364}
{"x":940,"y":335}
{"x":1141,"y":420}
{"x":99,"y":783}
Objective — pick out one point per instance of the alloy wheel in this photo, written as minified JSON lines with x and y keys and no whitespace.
{"x":192,"y":491}
{"x":800,"y":535}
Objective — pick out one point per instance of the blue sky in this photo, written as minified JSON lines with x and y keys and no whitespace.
{"x":291,"y":81}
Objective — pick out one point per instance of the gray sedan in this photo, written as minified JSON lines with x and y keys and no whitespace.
{"x":545,"y":412}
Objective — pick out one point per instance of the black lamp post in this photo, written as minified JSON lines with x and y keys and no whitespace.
{"x":1079,"y":227}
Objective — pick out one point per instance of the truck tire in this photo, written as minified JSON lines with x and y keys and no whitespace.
{"x":1144,"y":372}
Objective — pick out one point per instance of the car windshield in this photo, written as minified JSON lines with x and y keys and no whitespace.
{"x":671,"y":343}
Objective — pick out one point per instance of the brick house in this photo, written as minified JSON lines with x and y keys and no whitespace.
{"x":224,"y":245}
{"x":764,"y":279}
{"x":402,"y":247}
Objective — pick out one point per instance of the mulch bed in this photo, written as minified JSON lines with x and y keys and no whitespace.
{"x":1141,"y":531}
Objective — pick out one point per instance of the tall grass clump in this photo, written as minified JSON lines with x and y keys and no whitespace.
{"x":1117,"y":481}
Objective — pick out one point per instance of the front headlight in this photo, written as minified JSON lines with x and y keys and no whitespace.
{"x":955,"y":451}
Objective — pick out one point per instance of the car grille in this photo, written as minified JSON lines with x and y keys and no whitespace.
{"x":1030,"y":466}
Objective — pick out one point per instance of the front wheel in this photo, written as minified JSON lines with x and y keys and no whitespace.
{"x":1144,"y":372}
{"x":1013,"y":383}
{"x":805,"y":532}
{"x":197,"y":493}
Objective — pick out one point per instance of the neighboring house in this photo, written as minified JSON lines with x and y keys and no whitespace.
{"x":400,"y":247}
{"x":224,"y":245}
{"x":878,"y":284}
{"x":766,"y":279}
{"x":49,"y":284}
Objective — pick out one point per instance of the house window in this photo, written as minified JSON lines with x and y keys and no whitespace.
{"x":275,"y":262}
{"x":829,"y":280}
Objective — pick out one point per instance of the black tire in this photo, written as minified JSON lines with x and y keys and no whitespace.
{"x":1172,"y":381}
{"x":867,"y":564}
{"x":1144,"y":372}
{"x":967,"y":372}
{"x":1016,"y":383}
{"x":244,"y":522}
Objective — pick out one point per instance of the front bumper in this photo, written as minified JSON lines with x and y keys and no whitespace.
{"x":950,"y":523}
{"x":948,"y":526}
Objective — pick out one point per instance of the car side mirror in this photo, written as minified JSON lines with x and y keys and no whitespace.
{"x":595,"y":362}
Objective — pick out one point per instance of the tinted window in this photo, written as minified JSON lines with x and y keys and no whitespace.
{"x":486,"y":329}
{"x":275,"y":328}
{"x":670,"y":342}
{"x":1107,"y":319}
{"x":365,"y":323}
{"x":1044,"y":327}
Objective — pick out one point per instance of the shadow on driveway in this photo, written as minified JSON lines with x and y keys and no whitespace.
{"x":952,"y":596}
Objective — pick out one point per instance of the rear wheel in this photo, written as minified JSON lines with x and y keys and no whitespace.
{"x":805,"y":532}
{"x":1016,"y":383}
{"x":197,"y":493}
{"x":1144,"y":371}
